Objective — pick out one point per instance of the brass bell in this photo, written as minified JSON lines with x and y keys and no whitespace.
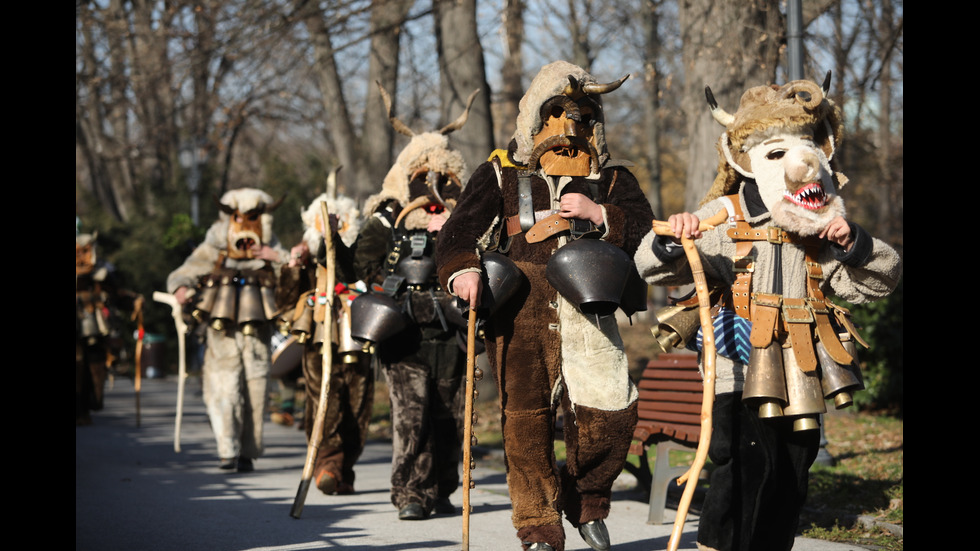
{"x":805,"y":393}
{"x":205,"y":300}
{"x":839,"y":382}
{"x":268,"y":290}
{"x":765,"y":384}
{"x":303,"y":324}
{"x":347,"y":346}
{"x":677,"y":325}
{"x":225,"y":306}
{"x":250,"y":308}
{"x":477,"y":374}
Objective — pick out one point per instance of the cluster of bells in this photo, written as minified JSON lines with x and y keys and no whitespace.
{"x":306,"y":329}
{"x":230,"y":298}
{"x":774,"y":382}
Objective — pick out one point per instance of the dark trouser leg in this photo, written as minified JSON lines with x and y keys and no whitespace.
{"x":412,"y":474}
{"x":759,"y":484}
{"x":596,"y":442}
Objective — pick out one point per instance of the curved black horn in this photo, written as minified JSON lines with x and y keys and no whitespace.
{"x":723,"y":117}
{"x":221,"y":206}
{"x":395,"y":123}
{"x":461,"y":120}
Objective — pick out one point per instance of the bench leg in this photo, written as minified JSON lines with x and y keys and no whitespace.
{"x":663,"y":476}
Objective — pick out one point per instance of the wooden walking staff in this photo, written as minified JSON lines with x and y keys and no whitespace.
{"x":138,"y":356}
{"x":708,"y":353}
{"x":181,"y":357}
{"x":327,"y":292}
{"x":468,"y":425}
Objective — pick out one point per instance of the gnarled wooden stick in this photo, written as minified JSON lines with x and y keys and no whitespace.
{"x":708,"y":353}
{"x":316,"y":438}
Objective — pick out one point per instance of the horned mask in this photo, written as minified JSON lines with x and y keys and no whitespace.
{"x":428,"y":176}
{"x":560,"y":125}
{"x":248,"y":213}
{"x":784,"y":138}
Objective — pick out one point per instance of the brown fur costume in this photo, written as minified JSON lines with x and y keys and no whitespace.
{"x":537,"y":337}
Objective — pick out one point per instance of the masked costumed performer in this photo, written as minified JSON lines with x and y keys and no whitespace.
{"x":543,"y":350}
{"x":98,"y":338}
{"x":351,"y":386}
{"x":423,"y":364}
{"x":236,"y":268}
{"x":785,"y":250}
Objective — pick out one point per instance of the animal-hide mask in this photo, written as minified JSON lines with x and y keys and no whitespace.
{"x":248,"y":215}
{"x":560,"y":124}
{"x":428,"y":176}
{"x":784,"y":139}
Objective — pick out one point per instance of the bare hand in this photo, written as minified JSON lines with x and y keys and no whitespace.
{"x":686,"y":225}
{"x":576,"y":205}
{"x":299,"y":255}
{"x":265,"y":252}
{"x":838,"y":231}
{"x":181,"y":295}
{"x":436,"y":222}
{"x":467,"y":287}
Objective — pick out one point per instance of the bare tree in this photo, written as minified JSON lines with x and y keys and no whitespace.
{"x":461,"y":70}
{"x":728,"y":46}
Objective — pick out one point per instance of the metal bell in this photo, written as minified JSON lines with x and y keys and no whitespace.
{"x":634,"y":294}
{"x":347,"y":347}
{"x":303,"y":323}
{"x":250,"y":308}
{"x":205,"y":301}
{"x":268,"y":287}
{"x":806,"y":400}
{"x":416,"y":271}
{"x":225,"y":306}
{"x":677,"y":325}
{"x":376,"y":317}
{"x":839,"y":382}
{"x":765,"y":384}
{"x":591,"y":274}
{"x":503,"y":280}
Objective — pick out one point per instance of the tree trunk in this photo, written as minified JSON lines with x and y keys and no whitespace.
{"x":728,"y":46}
{"x":461,"y":71}
{"x":513,"y":69}
{"x":651,"y":85}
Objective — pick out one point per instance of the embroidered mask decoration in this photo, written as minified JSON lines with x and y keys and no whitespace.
{"x":85,"y":254}
{"x":249,"y":213}
{"x":784,"y":139}
{"x":560,"y":124}
{"x":427,"y":177}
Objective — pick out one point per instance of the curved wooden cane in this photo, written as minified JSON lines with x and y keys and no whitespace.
{"x":708,"y":353}
{"x":316,"y":438}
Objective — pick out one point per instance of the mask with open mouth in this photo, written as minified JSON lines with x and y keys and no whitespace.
{"x":250,"y":220}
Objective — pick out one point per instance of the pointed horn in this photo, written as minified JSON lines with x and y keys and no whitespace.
{"x":604,"y":88}
{"x":723,"y":117}
{"x":826,"y":84}
{"x":223,"y":207}
{"x":332,"y":182}
{"x":395,"y":123}
{"x":275,"y":205}
{"x":573,"y":88}
{"x":461,"y":120}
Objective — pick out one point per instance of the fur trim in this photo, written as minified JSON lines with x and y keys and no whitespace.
{"x":343,"y":207}
{"x":243,"y":200}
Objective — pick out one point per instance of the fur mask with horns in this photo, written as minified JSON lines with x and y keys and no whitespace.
{"x":560,"y":124}
{"x":428,"y":176}
{"x":783,"y":138}
{"x":245,"y":222}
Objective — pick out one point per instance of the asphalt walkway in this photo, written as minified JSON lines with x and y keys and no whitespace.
{"x":134,"y":492}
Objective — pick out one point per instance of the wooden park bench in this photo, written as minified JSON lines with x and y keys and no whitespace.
{"x":669,"y":417}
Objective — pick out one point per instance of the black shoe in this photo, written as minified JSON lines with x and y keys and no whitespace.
{"x":443,"y":506}
{"x":412,"y":511}
{"x":228,"y":464}
{"x":595,"y":534}
{"x":245,"y":465}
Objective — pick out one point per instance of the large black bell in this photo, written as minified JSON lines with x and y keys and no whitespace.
{"x":375,"y":317}
{"x":590,"y":274}
{"x":503,"y":278}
